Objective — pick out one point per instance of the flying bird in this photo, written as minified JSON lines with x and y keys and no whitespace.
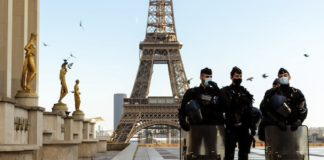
{"x":72,"y":91}
{"x":70,"y":65}
{"x":45,"y":44}
{"x":72,"y":55}
{"x":249,"y":79}
{"x":81,"y":25}
{"x":66,"y":60}
{"x":189,"y":80}
{"x":306,"y":55}
{"x":265,"y":75}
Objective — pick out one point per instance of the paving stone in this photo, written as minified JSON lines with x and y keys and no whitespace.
{"x":173,"y":153}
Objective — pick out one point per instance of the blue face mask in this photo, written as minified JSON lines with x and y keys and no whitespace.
{"x":284,"y":81}
{"x":206,"y":81}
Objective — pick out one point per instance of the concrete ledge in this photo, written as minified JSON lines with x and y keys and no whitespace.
{"x":116,"y":146}
{"x":32,"y":108}
{"x":102,"y":145}
{"x":127,"y":153}
{"x":37,"y":108}
{"x":89,"y":140}
{"x":60,"y":150}
{"x":22,"y":106}
{"x":53,"y":113}
{"x":48,"y":132}
{"x":20,"y":155}
{"x":88,"y":148}
{"x":8,"y":100}
{"x":17,"y":147}
{"x":68,"y":117}
{"x":62,"y":142}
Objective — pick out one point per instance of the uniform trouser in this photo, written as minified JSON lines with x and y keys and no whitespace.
{"x":209,"y":141}
{"x":261,"y":131}
{"x":244,"y":139}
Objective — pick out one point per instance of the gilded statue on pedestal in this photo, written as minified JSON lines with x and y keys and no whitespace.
{"x":77,"y":95}
{"x":64,"y":89}
{"x":29,"y":69}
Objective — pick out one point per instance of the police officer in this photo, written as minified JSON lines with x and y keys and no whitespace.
{"x":209,"y":97}
{"x":265,"y":121}
{"x":284,"y":105}
{"x":206,"y":99}
{"x":275,"y":83}
{"x":238,"y":118}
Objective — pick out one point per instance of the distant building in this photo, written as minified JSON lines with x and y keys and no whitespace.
{"x":100,"y":128}
{"x":103,"y":134}
{"x":118,"y":107}
{"x":316,"y":134}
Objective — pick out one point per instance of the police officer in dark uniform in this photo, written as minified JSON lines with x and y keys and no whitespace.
{"x":265,"y":121}
{"x":209,"y":99}
{"x":238,"y":118}
{"x":282,"y":106}
{"x":275,"y":83}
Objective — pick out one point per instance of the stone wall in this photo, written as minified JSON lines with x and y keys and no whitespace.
{"x":30,"y":133}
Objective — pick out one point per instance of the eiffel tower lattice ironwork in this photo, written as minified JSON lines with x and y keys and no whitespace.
{"x":159,"y":47}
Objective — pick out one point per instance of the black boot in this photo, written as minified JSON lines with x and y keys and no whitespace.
{"x":229,"y":156}
{"x":243,"y":156}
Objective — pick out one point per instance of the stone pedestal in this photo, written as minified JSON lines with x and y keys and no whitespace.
{"x":35,"y":118}
{"x":27,"y":98}
{"x":7,"y":110}
{"x":102,"y":145}
{"x":62,"y":150}
{"x":18,"y":152}
{"x":68,"y":134}
{"x":78,"y":115}
{"x":86,"y":129}
{"x":60,"y":108}
{"x":88,"y":148}
{"x":78,"y":129}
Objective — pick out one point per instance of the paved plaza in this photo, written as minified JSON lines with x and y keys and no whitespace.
{"x":172,"y":153}
{"x":103,"y":156}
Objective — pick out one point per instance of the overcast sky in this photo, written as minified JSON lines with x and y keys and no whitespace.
{"x":257,"y":36}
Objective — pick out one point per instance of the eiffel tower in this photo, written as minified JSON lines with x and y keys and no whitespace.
{"x":159,"y":47}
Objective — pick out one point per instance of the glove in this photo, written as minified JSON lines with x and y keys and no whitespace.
{"x":282,"y":126}
{"x":295,"y":125}
{"x":185,"y":126}
{"x":213,"y":84}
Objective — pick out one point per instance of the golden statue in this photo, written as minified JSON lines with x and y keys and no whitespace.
{"x":64,"y":89}
{"x":77,"y":95}
{"x":29,"y":69}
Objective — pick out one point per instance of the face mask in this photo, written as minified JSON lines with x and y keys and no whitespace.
{"x":206,"y":81}
{"x":237,"y":81}
{"x":284,"y":80}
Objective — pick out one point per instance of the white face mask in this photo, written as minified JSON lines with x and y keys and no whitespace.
{"x":206,"y":81}
{"x":284,"y":81}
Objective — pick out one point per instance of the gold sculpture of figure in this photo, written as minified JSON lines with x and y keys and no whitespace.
{"x":64,"y":89}
{"x":29,"y":69}
{"x":77,"y":95}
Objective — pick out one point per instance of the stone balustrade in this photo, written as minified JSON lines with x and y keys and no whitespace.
{"x":30,"y":133}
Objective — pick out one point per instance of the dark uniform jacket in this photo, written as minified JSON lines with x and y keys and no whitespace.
{"x":294,"y":99}
{"x":240,"y":108}
{"x":211,"y":110}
